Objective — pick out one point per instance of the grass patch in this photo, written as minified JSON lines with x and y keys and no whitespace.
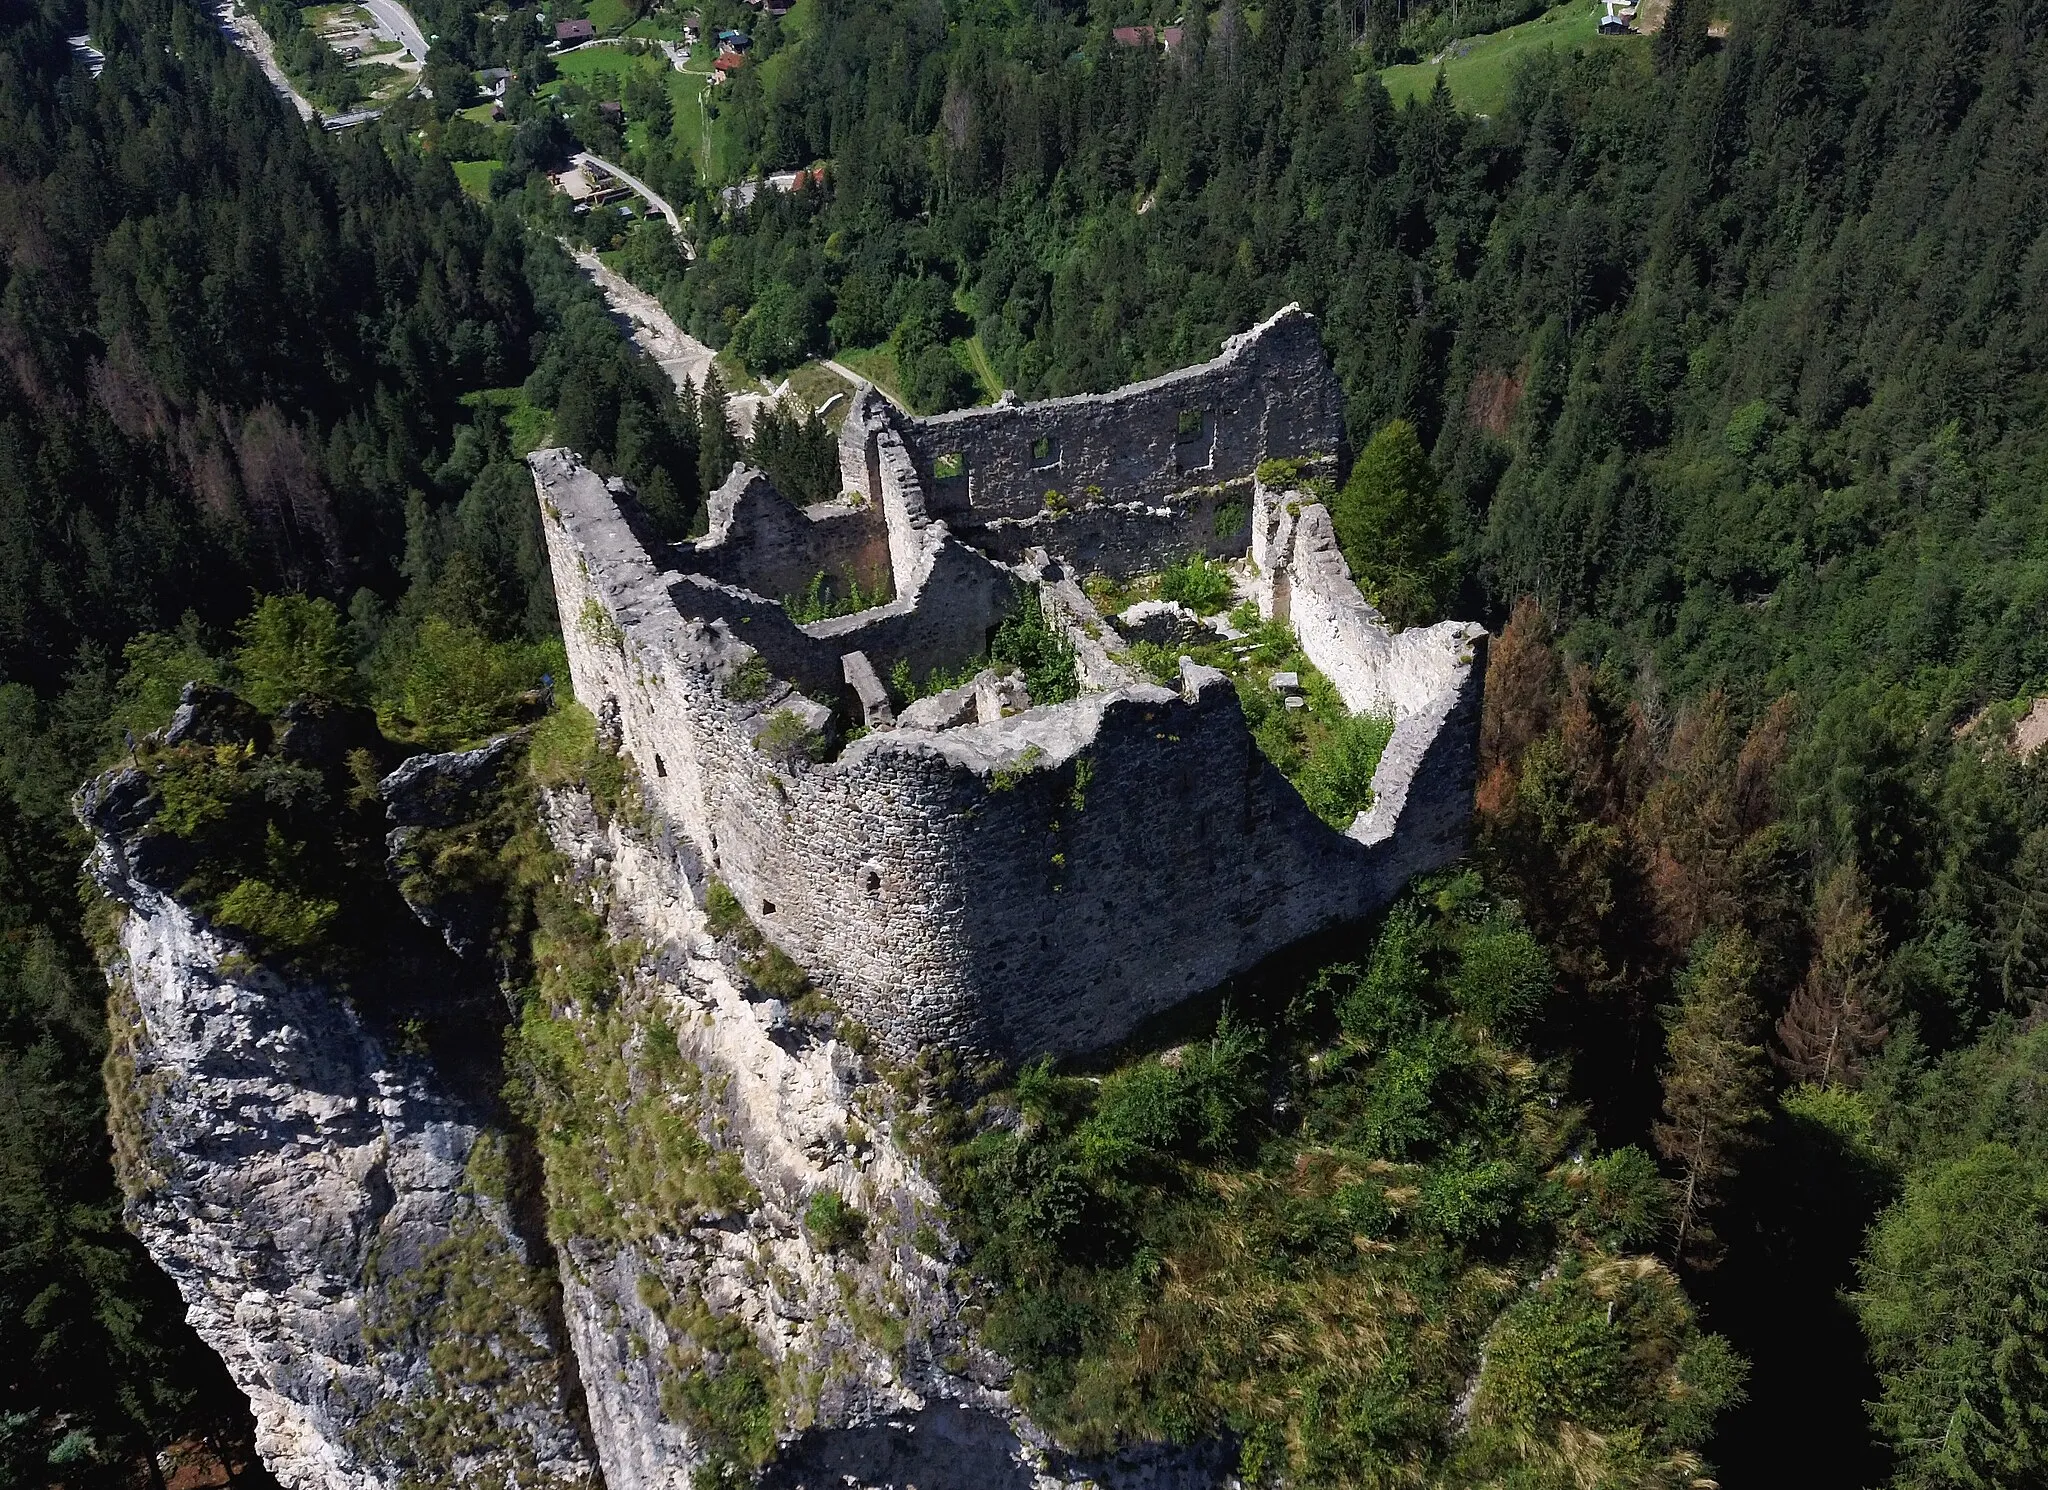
{"x":1200,"y":584}
{"x":528,"y":426}
{"x":474,"y":176}
{"x":974,"y":356}
{"x":877,"y":365}
{"x":1479,"y":70}
{"x":609,"y":17}
{"x":593,"y":62}
{"x":815,"y":383}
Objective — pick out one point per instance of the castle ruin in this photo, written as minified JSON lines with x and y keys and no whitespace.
{"x":979,"y":869}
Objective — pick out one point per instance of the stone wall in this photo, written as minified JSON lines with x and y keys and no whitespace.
{"x":1270,"y":392}
{"x":760,"y":540}
{"x":1042,"y":882}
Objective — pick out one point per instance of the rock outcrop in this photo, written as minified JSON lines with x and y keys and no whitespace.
{"x":345,"y":1229}
{"x":333,"y":1218}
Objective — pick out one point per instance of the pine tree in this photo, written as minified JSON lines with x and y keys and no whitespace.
{"x":1715,"y":1083}
{"x":718,"y":446}
{"x":1683,"y":39}
{"x":1834,"y":1020}
{"x":1393,"y":524}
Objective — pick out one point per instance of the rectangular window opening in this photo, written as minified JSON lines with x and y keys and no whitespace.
{"x":949,"y":466}
{"x":1045,"y":451}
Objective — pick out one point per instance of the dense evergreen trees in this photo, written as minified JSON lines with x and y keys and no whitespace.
{"x":1732,"y":358}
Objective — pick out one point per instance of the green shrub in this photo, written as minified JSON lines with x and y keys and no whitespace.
{"x":1503,"y":976}
{"x":835,"y":1224}
{"x":1282,"y":472}
{"x":456,"y":685}
{"x":1198,"y":583}
{"x":786,"y":739}
{"x":293,"y":647}
{"x":1335,"y":779}
{"x":1039,"y":650}
{"x":158,"y":665}
{"x":274,"y":918}
{"x":828,"y":597}
{"x":750,"y":681}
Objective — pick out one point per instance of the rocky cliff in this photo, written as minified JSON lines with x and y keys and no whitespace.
{"x":697,"y":1250}
{"x":335,"y":1221}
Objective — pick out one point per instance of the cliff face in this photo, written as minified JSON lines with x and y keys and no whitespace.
{"x":334,"y":1221}
{"x":745,"y":1268}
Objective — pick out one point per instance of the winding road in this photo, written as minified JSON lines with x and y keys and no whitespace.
{"x":654,"y":199}
{"x":684,"y":358}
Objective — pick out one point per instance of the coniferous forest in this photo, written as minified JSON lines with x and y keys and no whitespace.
{"x":1712,"y":374}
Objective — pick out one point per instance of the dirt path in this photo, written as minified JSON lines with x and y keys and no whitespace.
{"x":685,"y":359}
{"x":254,"y":40}
{"x":860,"y":382}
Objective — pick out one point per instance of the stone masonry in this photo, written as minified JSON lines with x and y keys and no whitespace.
{"x":1001,"y":879}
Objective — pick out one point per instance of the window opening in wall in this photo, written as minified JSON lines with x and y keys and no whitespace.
{"x":1194,"y":443}
{"x":871,"y":881}
{"x":949,"y":466}
{"x":1045,"y":451}
{"x":767,"y":907}
{"x":659,"y":768}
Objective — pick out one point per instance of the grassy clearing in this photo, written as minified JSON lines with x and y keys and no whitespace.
{"x":475,"y":177}
{"x":814,"y":383}
{"x":878,"y":366}
{"x":528,"y":426}
{"x":590,"y":62}
{"x":610,"y":17}
{"x":1479,"y":70}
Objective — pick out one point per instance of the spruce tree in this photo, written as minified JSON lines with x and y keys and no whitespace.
{"x":718,"y":446}
{"x":1393,"y":525}
{"x":1715,"y":1083}
{"x":1682,"y":40}
{"x":1835,"y":1019}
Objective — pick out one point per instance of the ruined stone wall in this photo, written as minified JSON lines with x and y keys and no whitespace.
{"x":759,"y":540}
{"x":1040,"y":882}
{"x":1270,"y":392}
{"x":1129,"y":538}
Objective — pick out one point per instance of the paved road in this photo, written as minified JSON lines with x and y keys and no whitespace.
{"x":396,"y":19}
{"x":653,"y":199}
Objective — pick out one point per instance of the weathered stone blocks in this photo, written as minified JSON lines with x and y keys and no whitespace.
{"x":1034,"y":880}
